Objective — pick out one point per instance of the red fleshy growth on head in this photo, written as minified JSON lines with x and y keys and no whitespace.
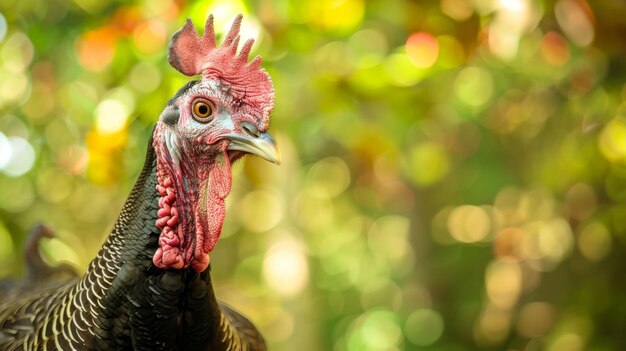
{"x":192,"y":54}
{"x":193,"y":163}
{"x":191,"y":206}
{"x":169,"y":253}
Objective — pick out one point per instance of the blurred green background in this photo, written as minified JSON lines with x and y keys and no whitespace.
{"x":453,"y":177}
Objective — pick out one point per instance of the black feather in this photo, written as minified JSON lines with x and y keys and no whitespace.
{"x":124,"y":302}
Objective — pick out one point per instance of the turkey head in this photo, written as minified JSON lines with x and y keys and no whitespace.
{"x":205,"y":127}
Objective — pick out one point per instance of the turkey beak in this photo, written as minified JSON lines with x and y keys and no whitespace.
{"x":254,"y":142}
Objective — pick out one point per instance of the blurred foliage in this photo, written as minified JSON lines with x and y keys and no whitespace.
{"x":453,"y":174}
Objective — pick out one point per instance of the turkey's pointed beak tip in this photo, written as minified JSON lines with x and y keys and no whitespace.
{"x":262,"y":145}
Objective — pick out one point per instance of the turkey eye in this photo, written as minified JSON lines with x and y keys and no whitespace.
{"x":202,"y":111}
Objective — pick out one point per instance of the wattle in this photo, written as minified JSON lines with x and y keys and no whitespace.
{"x":191,"y":207}
{"x":209,"y":220}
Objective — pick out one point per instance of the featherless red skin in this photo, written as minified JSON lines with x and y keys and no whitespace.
{"x":193,"y":163}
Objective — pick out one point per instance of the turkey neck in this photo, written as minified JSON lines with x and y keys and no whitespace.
{"x":130,"y":303}
{"x":122,"y":269}
{"x":134,"y":236}
{"x":124,"y":302}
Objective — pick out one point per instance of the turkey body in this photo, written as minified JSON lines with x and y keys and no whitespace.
{"x":124,"y":302}
{"x":149,"y":286}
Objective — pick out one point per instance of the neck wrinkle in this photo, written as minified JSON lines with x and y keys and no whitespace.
{"x":192,"y":185}
{"x":179,"y":185}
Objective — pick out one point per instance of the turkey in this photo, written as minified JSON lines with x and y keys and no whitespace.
{"x":39,"y":274}
{"x":149,"y":286}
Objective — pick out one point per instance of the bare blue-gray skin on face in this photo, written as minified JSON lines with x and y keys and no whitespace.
{"x":149,"y":287}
